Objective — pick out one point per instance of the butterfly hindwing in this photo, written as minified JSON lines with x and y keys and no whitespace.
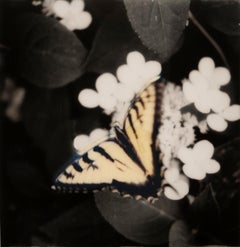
{"x":102,"y":164}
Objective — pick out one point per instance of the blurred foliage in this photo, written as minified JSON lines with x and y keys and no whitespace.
{"x":41,"y":56}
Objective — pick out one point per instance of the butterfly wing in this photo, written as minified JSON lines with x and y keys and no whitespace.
{"x":128,"y":157}
{"x":102,"y":164}
{"x":142,"y":123}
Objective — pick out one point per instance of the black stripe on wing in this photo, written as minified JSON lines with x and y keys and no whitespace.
{"x":131,"y":122}
{"x":137,"y":102}
{"x":86,"y":159}
{"x":101,"y":150}
{"x":138,"y":113}
{"x":128,"y":147}
{"x":157,"y":118}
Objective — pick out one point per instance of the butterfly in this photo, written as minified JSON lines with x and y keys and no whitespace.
{"x":128,"y":159}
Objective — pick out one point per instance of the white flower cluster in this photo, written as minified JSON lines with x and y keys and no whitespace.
{"x":203,"y":89}
{"x":114,"y":94}
{"x":72,"y":13}
{"x":198,"y":160}
{"x":176,"y":132}
{"x":179,"y":184}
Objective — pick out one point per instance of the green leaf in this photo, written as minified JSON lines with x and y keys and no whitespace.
{"x":159,"y":23}
{"x":48,"y":55}
{"x":139,"y":221}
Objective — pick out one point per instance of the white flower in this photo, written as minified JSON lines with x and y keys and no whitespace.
{"x":115,"y":96}
{"x":177,"y":189}
{"x":47,"y":7}
{"x":217,"y":121}
{"x":197,"y":160}
{"x":171,"y":174}
{"x":178,"y":184}
{"x":203,"y":127}
{"x":190,"y":119}
{"x":203,"y":85}
{"x":203,"y":89}
{"x":81,"y":142}
{"x":105,"y":96}
{"x":137,"y":71}
{"x":72,"y":14}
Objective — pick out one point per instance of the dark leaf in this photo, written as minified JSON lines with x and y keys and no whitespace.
{"x":48,"y":55}
{"x":179,"y":234}
{"x":116,"y":31}
{"x":139,"y":221}
{"x":205,"y":209}
{"x":81,"y":225}
{"x":176,"y":209}
{"x":159,"y":23}
{"x":222,"y":15}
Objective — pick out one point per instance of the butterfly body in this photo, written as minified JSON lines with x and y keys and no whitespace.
{"x":129,"y":158}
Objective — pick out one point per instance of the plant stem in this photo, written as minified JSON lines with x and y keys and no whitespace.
{"x":209,"y":38}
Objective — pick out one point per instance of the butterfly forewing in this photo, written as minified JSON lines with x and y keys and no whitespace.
{"x":142,"y":123}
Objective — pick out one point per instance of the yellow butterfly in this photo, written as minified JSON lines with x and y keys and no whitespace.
{"x":129,"y":158}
